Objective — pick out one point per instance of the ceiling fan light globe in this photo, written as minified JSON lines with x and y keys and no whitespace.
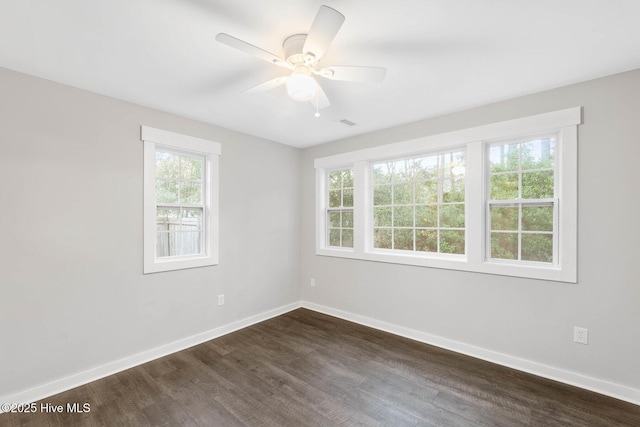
{"x":301,"y":87}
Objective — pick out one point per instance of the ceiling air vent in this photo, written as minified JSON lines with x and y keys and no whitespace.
{"x":347,"y":122}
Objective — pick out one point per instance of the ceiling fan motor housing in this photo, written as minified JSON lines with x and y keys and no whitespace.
{"x":293,"y":46}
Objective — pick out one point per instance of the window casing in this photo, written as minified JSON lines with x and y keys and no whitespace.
{"x":180,"y":201}
{"x":510,"y":214}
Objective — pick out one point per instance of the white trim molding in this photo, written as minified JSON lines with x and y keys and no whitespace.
{"x":210,"y":151}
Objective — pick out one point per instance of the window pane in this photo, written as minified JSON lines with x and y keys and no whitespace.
{"x":427,"y":240}
{"x":190,"y":243}
{"x":537,"y":247}
{"x":452,"y":215}
{"x":504,"y":158}
{"x":453,"y":190}
{"x":335,"y":198}
{"x":167,"y":219}
{"x":381,"y":173}
{"x":504,"y":186}
{"x":403,"y":194}
{"x":537,"y":185}
{"x":347,"y":219}
{"x":334,"y":219}
{"x":426,"y":216}
{"x":162,"y":244}
{"x":382,"y":238}
{"x":347,"y":178}
{"x":403,"y":239}
{"x":538,"y":154}
{"x":504,"y":245}
{"x":167,"y":191}
{"x":167,"y":165}
{"x":537,"y":218}
{"x":192,"y":219}
{"x":347,"y":238}
{"x":504,"y":218}
{"x":347,"y":197}
{"x":427,"y":192}
{"x":403,"y":216}
{"x":335,"y":179}
{"x":190,"y":193}
{"x":452,"y":241}
{"x":334,"y":237}
{"x":382,"y":217}
{"x":426,"y":168}
{"x":191,"y":168}
{"x":402,"y":170}
{"x":382,"y":195}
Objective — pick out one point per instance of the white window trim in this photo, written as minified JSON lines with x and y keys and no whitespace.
{"x":153,"y":138}
{"x":474,"y":139}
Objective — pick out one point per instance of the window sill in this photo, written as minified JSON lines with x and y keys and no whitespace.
{"x":456,"y":262}
{"x":179,"y":263}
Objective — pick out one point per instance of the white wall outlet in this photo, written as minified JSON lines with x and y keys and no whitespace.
{"x":221,"y":299}
{"x":581,"y":335}
{"x":312,"y":282}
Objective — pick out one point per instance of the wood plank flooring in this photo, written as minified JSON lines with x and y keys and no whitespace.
{"x":307,"y":369}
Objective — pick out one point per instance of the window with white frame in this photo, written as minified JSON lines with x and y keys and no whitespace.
{"x":340,"y":208}
{"x":521,"y":205}
{"x":180,"y":201}
{"x":499,"y":198}
{"x":418,"y":203}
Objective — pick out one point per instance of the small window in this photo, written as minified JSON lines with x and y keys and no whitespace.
{"x":180,"y":201}
{"x":419,"y":203}
{"x":340,"y":208}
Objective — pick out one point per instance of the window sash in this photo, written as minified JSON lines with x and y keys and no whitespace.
{"x":519,"y":230}
{"x":430,"y":172}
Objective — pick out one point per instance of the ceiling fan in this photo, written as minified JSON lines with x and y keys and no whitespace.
{"x":302,"y":54}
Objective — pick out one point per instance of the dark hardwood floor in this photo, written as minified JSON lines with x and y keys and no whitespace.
{"x":307,"y":369}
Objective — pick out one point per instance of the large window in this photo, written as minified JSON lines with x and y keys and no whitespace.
{"x":180,"y":209}
{"x":418,"y":203}
{"x":499,"y":198}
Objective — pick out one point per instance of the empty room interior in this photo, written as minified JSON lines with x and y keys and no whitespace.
{"x":319,"y":212}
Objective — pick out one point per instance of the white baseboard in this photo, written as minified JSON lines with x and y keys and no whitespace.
{"x":617,"y":391}
{"x":63,"y":384}
{"x":58,"y":386}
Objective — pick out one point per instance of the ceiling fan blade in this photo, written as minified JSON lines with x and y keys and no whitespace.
{"x":266,"y":86}
{"x":320,"y":101}
{"x":349,"y":73}
{"x":251,"y":49}
{"x":324,"y":28}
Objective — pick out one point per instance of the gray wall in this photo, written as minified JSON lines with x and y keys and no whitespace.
{"x":523,"y":318}
{"x":73,"y":296}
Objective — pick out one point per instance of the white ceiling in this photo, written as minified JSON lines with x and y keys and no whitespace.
{"x":441,"y":55}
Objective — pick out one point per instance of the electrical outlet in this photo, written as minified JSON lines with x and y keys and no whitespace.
{"x":312,"y":282}
{"x":221,"y":299}
{"x":581,"y":335}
